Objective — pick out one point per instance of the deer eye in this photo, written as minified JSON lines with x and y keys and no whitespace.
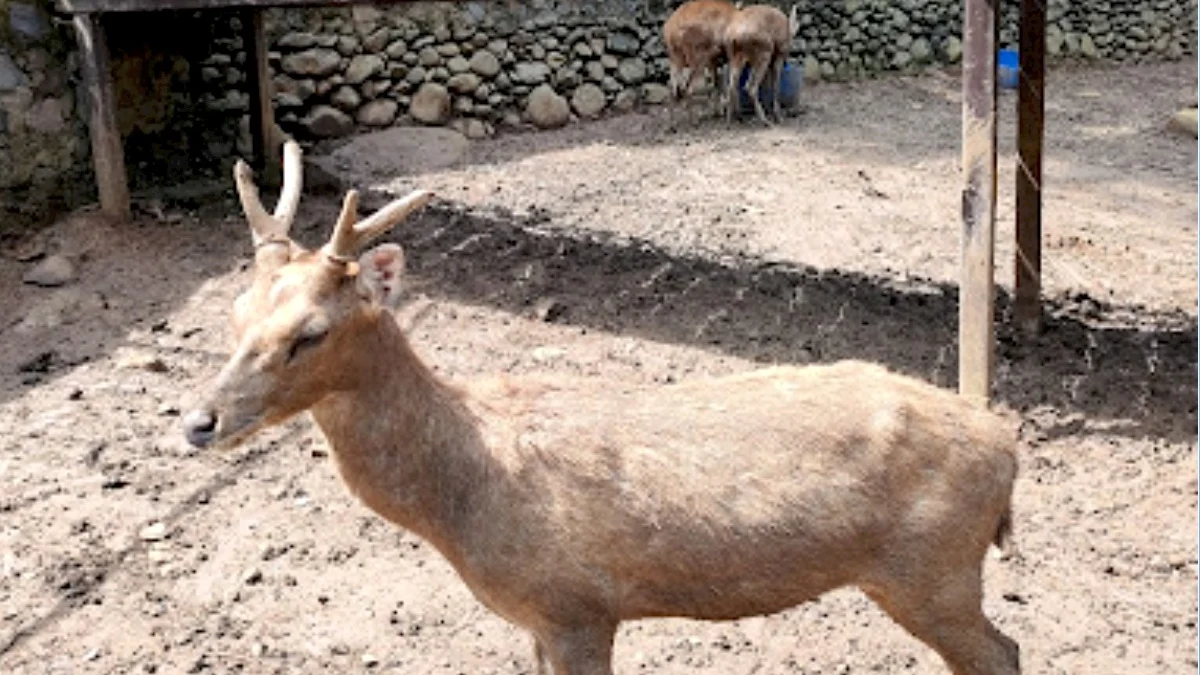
{"x":306,"y":340}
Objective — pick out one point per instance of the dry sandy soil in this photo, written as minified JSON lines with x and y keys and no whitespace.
{"x":617,"y":250}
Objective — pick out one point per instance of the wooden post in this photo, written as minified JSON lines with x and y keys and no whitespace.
{"x":108,"y":152}
{"x":258,"y":80}
{"x":1027,"y":306}
{"x":976,"y":299}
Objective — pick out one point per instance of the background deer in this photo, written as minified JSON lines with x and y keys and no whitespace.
{"x":568,"y":506}
{"x":694,"y":35}
{"x":758,"y":36}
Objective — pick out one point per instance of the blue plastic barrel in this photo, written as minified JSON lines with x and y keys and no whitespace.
{"x":791,"y":81}
{"x":1008,"y":67}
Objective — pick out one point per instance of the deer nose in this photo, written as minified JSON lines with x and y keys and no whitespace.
{"x":200,"y":427}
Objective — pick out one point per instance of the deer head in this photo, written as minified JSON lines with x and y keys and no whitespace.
{"x":299,"y":325}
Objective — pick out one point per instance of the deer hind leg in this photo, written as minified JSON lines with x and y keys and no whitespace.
{"x":715,"y":95}
{"x":541,"y":663}
{"x":695,"y":76}
{"x":672,"y":100}
{"x":776,"y":73}
{"x":583,"y":650}
{"x":732,"y":99}
{"x":675,"y":87}
{"x":758,"y":71}
{"x":946,"y":614}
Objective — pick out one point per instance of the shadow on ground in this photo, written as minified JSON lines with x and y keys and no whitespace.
{"x":1131,"y":368}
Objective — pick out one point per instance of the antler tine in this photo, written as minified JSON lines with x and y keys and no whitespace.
{"x":343,"y":243}
{"x":391,"y":215}
{"x":261,"y":223}
{"x":293,"y":185}
{"x":265,"y":227}
{"x":349,"y":237}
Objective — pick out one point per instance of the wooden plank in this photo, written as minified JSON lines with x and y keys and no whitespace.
{"x":108,"y":152}
{"x":91,"y":6}
{"x":258,"y":82}
{"x":976,"y":289}
{"x":1027,"y":306}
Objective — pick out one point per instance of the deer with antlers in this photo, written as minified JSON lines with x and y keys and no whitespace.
{"x":570,"y":505}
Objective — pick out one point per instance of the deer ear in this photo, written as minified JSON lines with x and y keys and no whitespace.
{"x":380,"y":271}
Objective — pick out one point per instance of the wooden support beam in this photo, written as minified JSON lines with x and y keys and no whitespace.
{"x":263,"y":139}
{"x":976,"y":286}
{"x":108,"y":152}
{"x":1027,"y":306}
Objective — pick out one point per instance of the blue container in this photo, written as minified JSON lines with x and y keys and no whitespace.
{"x":1008,"y":66}
{"x":791,"y":81}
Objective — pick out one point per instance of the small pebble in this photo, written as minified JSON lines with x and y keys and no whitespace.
{"x":153,"y":532}
{"x":52,"y":271}
{"x":549,"y":309}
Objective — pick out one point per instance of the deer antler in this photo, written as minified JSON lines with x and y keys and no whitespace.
{"x":271,"y":228}
{"x":349,"y":236}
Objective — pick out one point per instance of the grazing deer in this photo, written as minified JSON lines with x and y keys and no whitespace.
{"x":759,"y":36}
{"x":568,"y":505}
{"x":694,"y":37}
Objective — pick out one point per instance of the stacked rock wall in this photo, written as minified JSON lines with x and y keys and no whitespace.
{"x":43,"y":136}
{"x":480,"y":65}
{"x":475,"y":65}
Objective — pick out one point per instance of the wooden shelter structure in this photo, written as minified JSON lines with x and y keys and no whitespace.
{"x":980,"y":43}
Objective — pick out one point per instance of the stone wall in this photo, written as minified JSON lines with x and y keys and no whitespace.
{"x":475,"y":66}
{"x":175,"y":124}
{"x":479,"y":66}
{"x":43,"y":137}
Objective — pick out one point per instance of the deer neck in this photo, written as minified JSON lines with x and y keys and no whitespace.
{"x":404,"y":443}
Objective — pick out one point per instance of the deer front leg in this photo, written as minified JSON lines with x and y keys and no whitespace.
{"x":582,"y":650}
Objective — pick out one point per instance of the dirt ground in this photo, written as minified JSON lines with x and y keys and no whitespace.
{"x":617,"y":250}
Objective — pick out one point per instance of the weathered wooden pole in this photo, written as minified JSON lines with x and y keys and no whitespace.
{"x":262,"y":112}
{"x":108,"y":151}
{"x":1031,"y":110}
{"x":976,"y":290}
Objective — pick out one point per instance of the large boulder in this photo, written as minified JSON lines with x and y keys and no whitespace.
{"x":588,"y":100}
{"x":378,"y":113}
{"x":298,"y":40}
{"x":346,"y":98}
{"x":327,"y":122}
{"x":312,"y":63}
{"x":531,"y":72}
{"x":546,"y":109}
{"x":431,"y":104}
{"x":376,"y":157}
{"x":463,"y":83}
{"x":363,"y":67}
{"x":632,"y":71}
{"x":623,"y":42}
{"x":484,"y":63}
